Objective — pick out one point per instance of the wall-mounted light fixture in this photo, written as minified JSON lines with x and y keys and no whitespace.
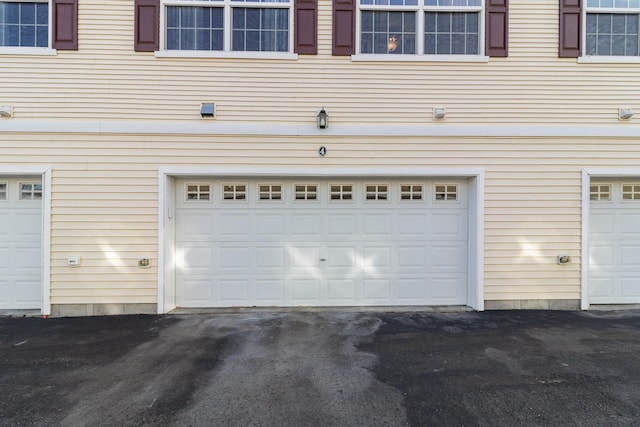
{"x":439,"y":113}
{"x":6,"y":111}
{"x":208,"y":109}
{"x":625,"y":113}
{"x":323,"y":119}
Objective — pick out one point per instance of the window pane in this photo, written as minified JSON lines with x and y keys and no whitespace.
{"x":388,"y":32}
{"x":612,"y":34}
{"x":260,"y":30}
{"x":24,"y":24}
{"x":194,"y":28}
{"x":451,"y":33}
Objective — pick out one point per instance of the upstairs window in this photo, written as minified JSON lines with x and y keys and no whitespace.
{"x":612,"y":27}
{"x":24,"y":23}
{"x":228,"y":25}
{"x":421,"y":27}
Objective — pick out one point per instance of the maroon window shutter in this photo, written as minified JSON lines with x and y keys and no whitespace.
{"x":570,"y":25}
{"x":65,"y":24}
{"x":497,"y":31}
{"x":344,"y":27}
{"x":147,"y":25}
{"x":305,"y":27}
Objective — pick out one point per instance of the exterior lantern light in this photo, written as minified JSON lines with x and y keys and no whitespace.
{"x":323,"y":119}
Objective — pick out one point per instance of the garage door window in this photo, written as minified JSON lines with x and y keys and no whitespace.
{"x":600,"y":192}
{"x":341,"y":192}
{"x":198,"y":192}
{"x":411,"y":192}
{"x":234,"y":191}
{"x":306,"y":192}
{"x":30,"y":190}
{"x":376,"y":192}
{"x":630,"y":192}
{"x":270,"y":191}
{"x":3,"y":191}
{"x":446,"y":192}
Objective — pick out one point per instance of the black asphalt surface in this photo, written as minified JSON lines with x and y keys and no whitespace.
{"x":501,"y":368}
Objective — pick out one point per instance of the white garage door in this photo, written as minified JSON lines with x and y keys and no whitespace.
{"x":20,"y":243}
{"x":349,"y":242}
{"x":614,"y":242}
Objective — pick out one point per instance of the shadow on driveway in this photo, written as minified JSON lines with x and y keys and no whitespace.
{"x":323,"y":368}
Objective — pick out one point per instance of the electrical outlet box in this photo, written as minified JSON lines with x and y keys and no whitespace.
{"x":73,"y":261}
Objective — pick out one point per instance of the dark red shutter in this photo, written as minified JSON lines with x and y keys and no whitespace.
{"x":570,"y":25}
{"x":306,"y":27}
{"x":147,"y":25}
{"x":497,"y":34}
{"x":344,"y":27}
{"x":65,"y":24}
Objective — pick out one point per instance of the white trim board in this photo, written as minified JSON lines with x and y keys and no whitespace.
{"x":587,"y":174}
{"x":215,"y":127}
{"x":166,"y":198}
{"x":45,"y":173}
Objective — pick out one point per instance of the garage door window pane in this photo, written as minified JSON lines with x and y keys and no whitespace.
{"x":3,"y":191}
{"x":410,"y":192}
{"x":446,"y":192}
{"x":270,"y":191}
{"x":30,"y":191}
{"x":234,"y":191}
{"x":306,"y":192}
{"x":600,"y":192}
{"x":631,"y":192}
{"x":198,"y":192}
{"x":341,"y":192}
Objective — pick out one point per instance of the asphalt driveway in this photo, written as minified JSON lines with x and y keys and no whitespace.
{"x":327,"y":368}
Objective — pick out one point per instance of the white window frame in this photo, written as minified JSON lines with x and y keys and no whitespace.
{"x":604,"y":10}
{"x":446,"y":192}
{"x":235,"y":192}
{"x":33,"y":191}
{"x":411,"y":192}
{"x":306,"y":192}
{"x":228,"y":5}
{"x":365,"y":192}
{"x":634,"y":186}
{"x":342,"y":192}
{"x":198,"y":200}
{"x":599,"y":191}
{"x":419,"y":10}
{"x":26,"y":50}
{"x":271,"y":192}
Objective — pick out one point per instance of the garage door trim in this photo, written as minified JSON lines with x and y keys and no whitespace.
{"x":45,"y":173}
{"x":166,"y":214}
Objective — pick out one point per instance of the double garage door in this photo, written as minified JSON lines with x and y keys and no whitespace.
{"x":342,"y":242}
{"x":20,"y":243}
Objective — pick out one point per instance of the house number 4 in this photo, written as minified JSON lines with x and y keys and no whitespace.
{"x":322,"y":151}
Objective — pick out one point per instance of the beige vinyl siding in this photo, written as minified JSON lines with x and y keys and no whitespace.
{"x":106,"y":79}
{"x":105,"y":199}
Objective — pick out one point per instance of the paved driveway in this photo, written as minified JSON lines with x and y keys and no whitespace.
{"x":324,"y":368}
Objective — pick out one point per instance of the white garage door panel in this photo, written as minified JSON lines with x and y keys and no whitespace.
{"x":614,"y":247}
{"x":320,"y":252}
{"x":20,"y":247}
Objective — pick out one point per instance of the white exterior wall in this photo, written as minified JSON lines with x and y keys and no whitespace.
{"x":89,"y":116}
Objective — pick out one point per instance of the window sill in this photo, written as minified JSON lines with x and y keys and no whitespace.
{"x":10,"y":50}
{"x":609,"y":60}
{"x":419,"y":58}
{"x":216,"y":54}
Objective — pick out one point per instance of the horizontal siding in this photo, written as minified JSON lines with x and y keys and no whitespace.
{"x":105,"y":199}
{"x":105,"y":79}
